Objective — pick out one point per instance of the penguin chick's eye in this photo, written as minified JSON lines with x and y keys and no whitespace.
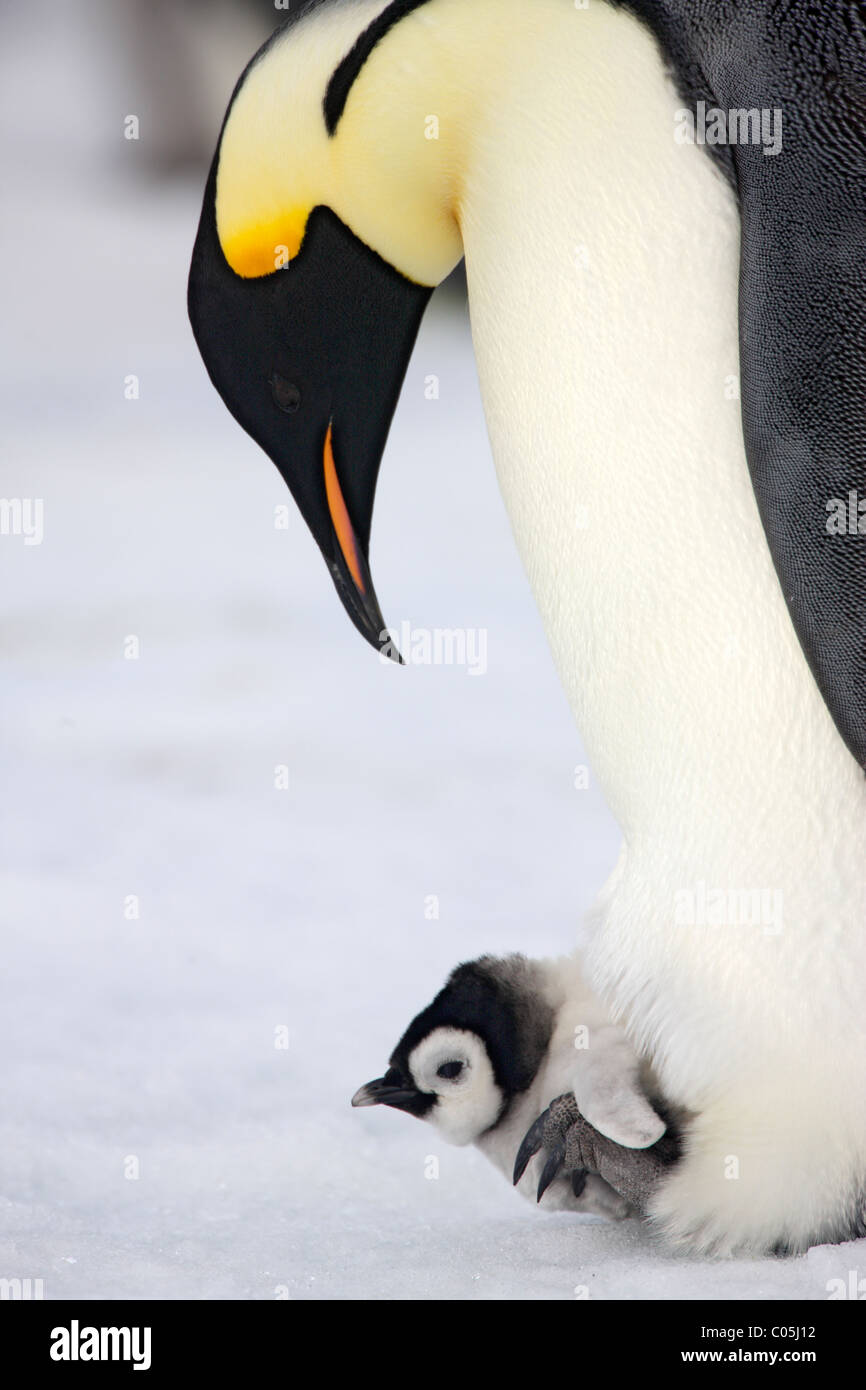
{"x":285,"y":393}
{"x":449,"y":1071}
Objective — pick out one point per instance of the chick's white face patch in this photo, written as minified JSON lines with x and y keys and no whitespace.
{"x":453,"y":1065}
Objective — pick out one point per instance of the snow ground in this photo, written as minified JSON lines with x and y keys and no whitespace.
{"x":154,"y":1038}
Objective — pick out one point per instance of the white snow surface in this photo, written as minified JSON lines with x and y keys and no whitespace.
{"x":153,"y":1039}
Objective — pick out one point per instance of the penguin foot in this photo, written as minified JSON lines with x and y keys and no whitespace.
{"x":575,"y":1148}
{"x":557,"y":1131}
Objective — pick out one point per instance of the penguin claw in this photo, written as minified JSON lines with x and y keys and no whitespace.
{"x":532,"y":1142}
{"x":550,"y":1170}
{"x":573,"y":1148}
{"x":578,"y":1181}
{"x":550,"y":1131}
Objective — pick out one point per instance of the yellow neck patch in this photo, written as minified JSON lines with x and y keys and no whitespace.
{"x":264,"y":247}
{"x":390,"y":171}
{"x":275,"y":156}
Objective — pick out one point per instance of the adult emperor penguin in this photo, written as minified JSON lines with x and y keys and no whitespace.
{"x":622,"y":278}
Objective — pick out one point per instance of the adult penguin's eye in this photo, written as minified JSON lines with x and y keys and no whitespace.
{"x":286,"y":394}
{"x":449,"y":1070}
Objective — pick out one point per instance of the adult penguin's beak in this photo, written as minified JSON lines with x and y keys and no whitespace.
{"x":310,"y":360}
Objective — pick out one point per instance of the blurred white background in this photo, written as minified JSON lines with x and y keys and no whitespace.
{"x":148,"y":1043}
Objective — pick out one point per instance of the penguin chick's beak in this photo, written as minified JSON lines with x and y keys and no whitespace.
{"x":310,"y":360}
{"x":391,"y":1090}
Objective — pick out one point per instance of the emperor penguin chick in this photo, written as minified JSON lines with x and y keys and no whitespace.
{"x":521,"y":1059}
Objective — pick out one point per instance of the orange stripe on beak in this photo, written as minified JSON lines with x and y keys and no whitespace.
{"x":340,"y":515}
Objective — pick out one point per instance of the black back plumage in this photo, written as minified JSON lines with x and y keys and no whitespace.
{"x":802,"y":298}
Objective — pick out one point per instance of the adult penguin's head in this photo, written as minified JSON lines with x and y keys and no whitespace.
{"x":330,"y":214}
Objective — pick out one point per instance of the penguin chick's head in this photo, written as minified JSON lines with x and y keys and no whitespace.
{"x":464,"y":1057}
{"x":329,"y":215}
